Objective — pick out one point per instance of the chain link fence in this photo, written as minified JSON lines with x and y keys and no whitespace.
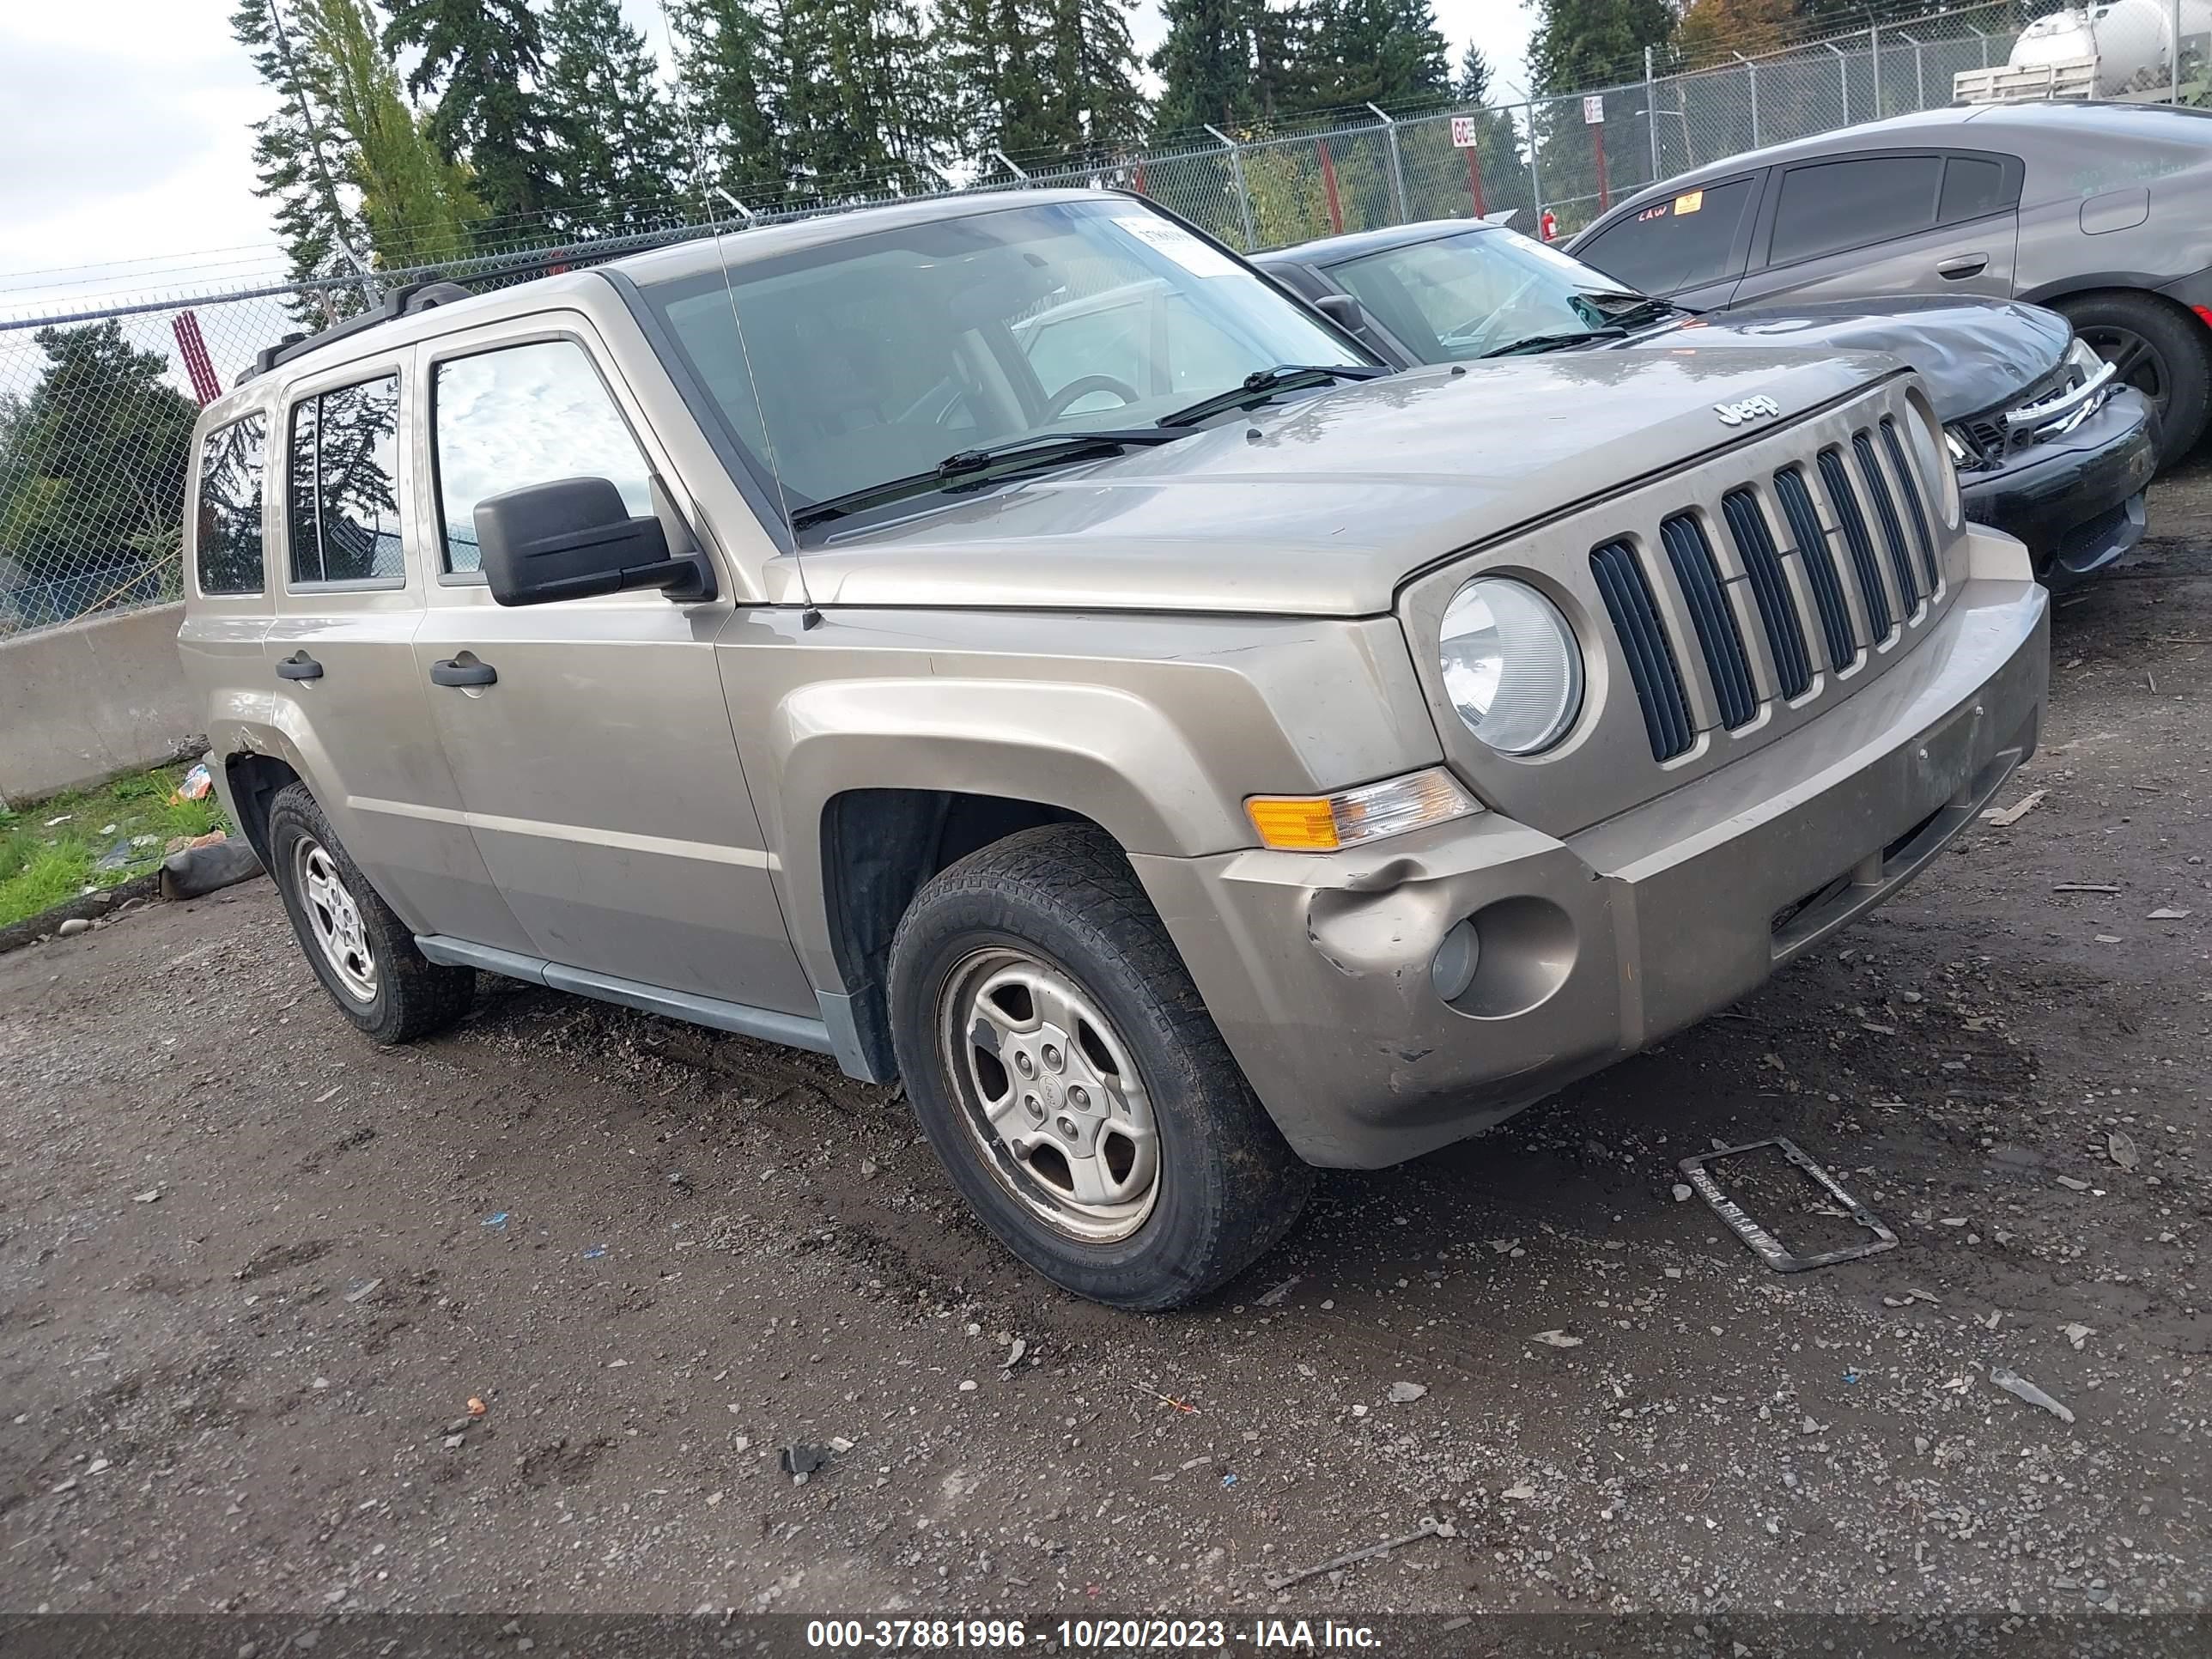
{"x":97,"y":405}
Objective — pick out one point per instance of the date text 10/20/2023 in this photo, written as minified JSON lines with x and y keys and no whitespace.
{"x":1085,"y":1635}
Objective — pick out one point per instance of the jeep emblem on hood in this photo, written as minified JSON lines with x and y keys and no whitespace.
{"x":1750,"y":408}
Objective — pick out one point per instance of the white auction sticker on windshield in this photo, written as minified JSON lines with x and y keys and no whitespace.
{"x":1179,"y":245}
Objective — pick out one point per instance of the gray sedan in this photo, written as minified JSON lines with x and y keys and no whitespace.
{"x":2102,"y":211}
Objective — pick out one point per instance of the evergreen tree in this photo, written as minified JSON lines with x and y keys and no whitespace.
{"x":92,"y":469}
{"x":856,"y":102}
{"x":481,"y":58}
{"x":1205,"y":65}
{"x":417,"y":204}
{"x":1096,"y":103}
{"x":1580,"y":44}
{"x":1472,"y":85}
{"x":1379,"y":52}
{"x":994,"y":69}
{"x":729,"y":57}
{"x":297,"y":158}
{"x":618,"y":149}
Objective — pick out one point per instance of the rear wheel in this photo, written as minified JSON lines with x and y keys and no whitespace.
{"x":2160,"y":351}
{"x":1072,"y":1082}
{"x":364,"y":955}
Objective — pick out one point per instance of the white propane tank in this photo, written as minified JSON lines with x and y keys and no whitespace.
{"x":2130,"y":42}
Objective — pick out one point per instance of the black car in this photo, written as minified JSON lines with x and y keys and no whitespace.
{"x":2047,"y":446}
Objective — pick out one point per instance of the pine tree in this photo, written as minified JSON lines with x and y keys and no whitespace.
{"x":418,"y":205}
{"x":1472,"y":85}
{"x":1095,"y":104}
{"x":1205,"y":65}
{"x":481,"y":58}
{"x":730,"y":97}
{"x":995,"y":76}
{"x":856,"y":102}
{"x":618,"y":153}
{"x":1580,"y":44}
{"x":298,"y":159}
{"x":1378,"y":52}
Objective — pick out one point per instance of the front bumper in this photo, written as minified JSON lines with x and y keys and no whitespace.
{"x":2077,"y":499}
{"x":1317,"y":967}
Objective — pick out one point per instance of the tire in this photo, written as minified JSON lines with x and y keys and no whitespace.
{"x":1052,"y":920}
{"x":2161,"y":351}
{"x":366,"y":960}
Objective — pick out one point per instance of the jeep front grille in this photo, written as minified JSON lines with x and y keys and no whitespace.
{"x":1675,"y":600}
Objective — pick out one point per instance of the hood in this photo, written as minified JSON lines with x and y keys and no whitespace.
{"x":1322,"y":505}
{"x":1974,"y":355}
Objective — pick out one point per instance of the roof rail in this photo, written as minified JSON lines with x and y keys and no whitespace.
{"x":403,"y":301}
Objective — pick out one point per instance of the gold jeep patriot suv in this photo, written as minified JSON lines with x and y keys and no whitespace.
{"x":1008,"y":644}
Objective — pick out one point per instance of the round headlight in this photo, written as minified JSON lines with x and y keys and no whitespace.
{"x":1512,"y":665}
{"x":1932,"y":458}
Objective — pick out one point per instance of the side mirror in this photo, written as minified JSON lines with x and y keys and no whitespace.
{"x":574,"y":538}
{"x":1342,"y":310}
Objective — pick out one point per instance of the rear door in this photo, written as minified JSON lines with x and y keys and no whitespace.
{"x":1690,"y":246}
{"x":595,"y":754}
{"x":1886,"y":222}
{"x":339,"y":656}
{"x":227,"y":606}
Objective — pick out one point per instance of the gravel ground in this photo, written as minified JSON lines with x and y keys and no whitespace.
{"x":254,"y":1275}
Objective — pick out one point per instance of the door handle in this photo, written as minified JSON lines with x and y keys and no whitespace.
{"x":1962,"y":265}
{"x":299,"y":666}
{"x":452,"y":672}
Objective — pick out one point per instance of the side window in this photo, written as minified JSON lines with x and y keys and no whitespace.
{"x":1973,"y":186}
{"x":227,"y":532}
{"x":1675,"y":243}
{"x":344,"y":520}
{"x":1846,"y":205}
{"x":525,"y":415}
{"x":1109,"y":340}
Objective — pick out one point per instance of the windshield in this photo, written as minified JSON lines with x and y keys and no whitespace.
{"x":1461,"y":296}
{"x":879,"y":355}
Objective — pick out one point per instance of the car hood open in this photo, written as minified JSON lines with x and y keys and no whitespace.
{"x":1973,"y":355}
{"x":1323,"y":505}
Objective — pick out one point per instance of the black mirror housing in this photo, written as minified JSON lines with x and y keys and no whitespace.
{"x":1342,"y":310}
{"x":574,"y":538}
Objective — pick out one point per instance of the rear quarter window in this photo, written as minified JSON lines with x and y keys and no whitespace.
{"x":226,"y":525}
{"x":1675,"y":243}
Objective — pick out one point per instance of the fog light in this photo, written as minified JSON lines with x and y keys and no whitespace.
{"x":1458,"y":957}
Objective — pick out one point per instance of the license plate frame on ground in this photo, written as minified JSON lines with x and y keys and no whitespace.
{"x":1763,"y":1245}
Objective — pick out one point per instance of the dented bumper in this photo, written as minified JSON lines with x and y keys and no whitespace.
{"x":1318,"y":967}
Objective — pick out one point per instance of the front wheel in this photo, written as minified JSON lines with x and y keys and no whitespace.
{"x":2158,"y":349}
{"x":1072,"y":1082}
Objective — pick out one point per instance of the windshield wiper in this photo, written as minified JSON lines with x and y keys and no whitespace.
{"x":1535,"y":342}
{"x":970,"y":468}
{"x":1264,"y":383}
{"x":1643,"y":310}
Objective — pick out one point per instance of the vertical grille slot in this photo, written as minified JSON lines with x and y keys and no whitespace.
{"x":1893,"y":528}
{"x":1845,"y":501}
{"x":1915,"y":509}
{"x":1699,"y":578}
{"x":1628,"y":595}
{"x":1754,"y":545}
{"x":1789,"y":489}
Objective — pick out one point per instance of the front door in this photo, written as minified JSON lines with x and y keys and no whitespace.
{"x":594,"y":753}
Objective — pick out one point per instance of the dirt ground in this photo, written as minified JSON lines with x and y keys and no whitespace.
{"x":252,"y":1272}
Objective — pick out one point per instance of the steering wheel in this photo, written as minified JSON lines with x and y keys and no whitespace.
{"x":1076,"y":390}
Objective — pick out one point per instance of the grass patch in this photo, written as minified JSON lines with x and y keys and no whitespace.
{"x":44,"y":862}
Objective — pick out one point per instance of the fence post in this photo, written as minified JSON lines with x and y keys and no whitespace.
{"x":1237,"y":177}
{"x":1919,"y":73}
{"x":1397,"y":171}
{"x":1651,"y":112}
{"x":1006,"y":161}
{"x":2173,"y":73}
{"x":1984,"y":40}
{"x":1843,"y":77}
{"x":1328,"y":188}
{"x":1874,"y":52}
{"x":1535,"y":179}
{"x":1751,"y":74}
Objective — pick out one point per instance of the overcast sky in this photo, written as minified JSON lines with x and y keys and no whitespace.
{"x":126,"y":168}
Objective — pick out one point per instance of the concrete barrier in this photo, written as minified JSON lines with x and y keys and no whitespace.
{"x":81,"y":703}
